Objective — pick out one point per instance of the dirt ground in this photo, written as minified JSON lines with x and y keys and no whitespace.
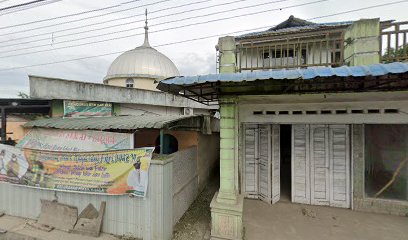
{"x":195,"y":223}
{"x":288,"y":221}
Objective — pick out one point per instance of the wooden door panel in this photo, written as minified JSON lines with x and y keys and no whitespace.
{"x":262,"y":162}
{"x":250,"y":163}
{"x":265,"y":163}
{"x":319,"y":165}
{"x":300,"y":164}
{"x":275,"y":163}
{"x":339,"y":145}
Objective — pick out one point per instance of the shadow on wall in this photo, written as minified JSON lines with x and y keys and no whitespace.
{"x":151,"y":138}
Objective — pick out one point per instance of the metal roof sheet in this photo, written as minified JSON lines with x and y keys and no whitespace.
{"x":295,"y":29}
{"x":304,"y":73}
{"x":115,"y":122}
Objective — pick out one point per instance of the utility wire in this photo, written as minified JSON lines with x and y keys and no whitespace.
{"x":359,"y":9}
{"x":99,"y":23}
{"x":119,"y":52}
{"x":215,"y":13}
{"x":112,"y":20}
{"x":25,"y":6}
{"x":161,"y":30}
{"x":21,"y":5}
{"x":86,"y":18}
{"x":65,"y":35}
{"x":194,"y":39}
{"x":65,"y":16}
{"x":132,"y":22}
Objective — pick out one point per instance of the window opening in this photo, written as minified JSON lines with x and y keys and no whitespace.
{"x":170,"y":144}
{"x":386,"y":161}
{"x":130,"y":83}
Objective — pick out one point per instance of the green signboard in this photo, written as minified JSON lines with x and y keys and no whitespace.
{"x":75,"y":109}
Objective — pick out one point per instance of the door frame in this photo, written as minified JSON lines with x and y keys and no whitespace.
{"x":241,"y":158}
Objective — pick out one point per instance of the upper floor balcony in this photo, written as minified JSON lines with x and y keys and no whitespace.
{"x":296,"y":43}
{"x":325,"y":48}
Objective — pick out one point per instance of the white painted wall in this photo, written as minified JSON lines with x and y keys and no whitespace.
{"x":322,"y":102}
{"x":185,"y":181}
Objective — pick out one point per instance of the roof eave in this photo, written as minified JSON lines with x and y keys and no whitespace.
{"x":288,"y":33}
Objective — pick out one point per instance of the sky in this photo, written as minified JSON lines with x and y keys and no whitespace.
{"x":96,"y":38}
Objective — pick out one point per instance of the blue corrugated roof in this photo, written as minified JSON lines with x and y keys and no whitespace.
{"x":305,"y":73}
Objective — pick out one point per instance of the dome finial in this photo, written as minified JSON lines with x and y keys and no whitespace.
{"x":146,"y":41}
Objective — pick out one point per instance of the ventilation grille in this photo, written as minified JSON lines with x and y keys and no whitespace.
{"x":329,"y":112}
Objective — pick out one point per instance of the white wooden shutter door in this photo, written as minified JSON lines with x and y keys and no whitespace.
{"x":319,"y":165}
{"x":275,"y":163}
{"x":300,"y":164}
{"x":250,"y":165}
{"x":339,"y":146}
{"x":265,"y":163}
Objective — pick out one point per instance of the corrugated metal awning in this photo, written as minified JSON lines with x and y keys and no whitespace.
{"x":207,"y":88}
{"x":119,"y":122}
{"x":303,"y":73}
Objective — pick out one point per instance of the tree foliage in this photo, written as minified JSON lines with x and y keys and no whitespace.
{"x":23,"y":95}
{"x":392,"y":54}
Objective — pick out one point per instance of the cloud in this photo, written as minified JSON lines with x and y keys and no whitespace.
{"x":13,"y":82}
{"x":196,"y":64}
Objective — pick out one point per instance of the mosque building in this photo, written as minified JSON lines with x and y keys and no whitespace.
{"x":140,"y":67}
{"x":127,"y":111}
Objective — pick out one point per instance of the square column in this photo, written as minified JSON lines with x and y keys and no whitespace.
{"x":227,"y":204}
{"x":362,"y":40}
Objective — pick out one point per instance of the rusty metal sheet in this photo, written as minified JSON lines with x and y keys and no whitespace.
{"x":115,"y":122}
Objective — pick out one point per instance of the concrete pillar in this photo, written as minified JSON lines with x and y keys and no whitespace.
{"x":227,"y":55}
{"x":362,"y":43}
{"x":357,"y":141}
{"x":227,"y":204}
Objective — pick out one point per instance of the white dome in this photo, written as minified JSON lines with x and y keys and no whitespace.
{"x":143,"y":61}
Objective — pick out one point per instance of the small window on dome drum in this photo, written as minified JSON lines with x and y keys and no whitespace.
{"x":129,"y":83}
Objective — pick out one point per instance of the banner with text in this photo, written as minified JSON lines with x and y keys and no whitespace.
{"x":109,"y":172}
{"x":76,"y":109}
{"x":75,"y":140}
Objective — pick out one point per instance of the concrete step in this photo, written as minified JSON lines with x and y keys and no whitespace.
{"x":15,"y":236}
{"x":15,"y":228}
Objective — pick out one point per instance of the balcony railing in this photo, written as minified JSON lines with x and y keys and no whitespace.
{"x":296,"y":52}
{"x":394,"y":42}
